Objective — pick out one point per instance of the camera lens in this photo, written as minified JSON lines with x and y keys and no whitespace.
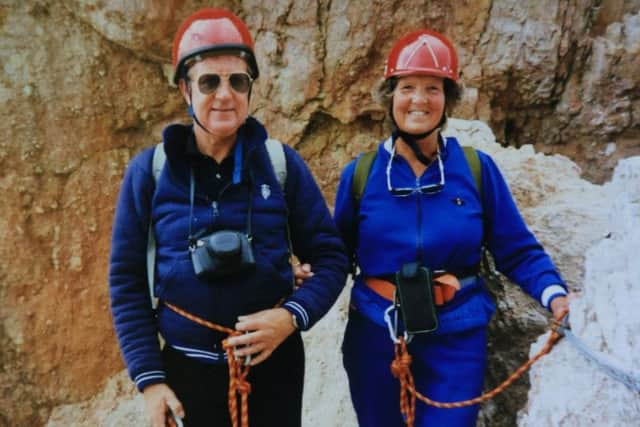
{"x":225,"y":244}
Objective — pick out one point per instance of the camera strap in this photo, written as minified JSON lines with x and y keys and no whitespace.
{"x":192,"y":194}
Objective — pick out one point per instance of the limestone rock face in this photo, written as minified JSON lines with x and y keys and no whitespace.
{"x":566,"y":389}
{"x":84,"y":85}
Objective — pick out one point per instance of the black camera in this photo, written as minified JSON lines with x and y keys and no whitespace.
{"x":222,"y":253}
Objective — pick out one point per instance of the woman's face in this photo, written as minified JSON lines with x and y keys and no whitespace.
{"x":225,"y":109}
{"x":418,"y":103}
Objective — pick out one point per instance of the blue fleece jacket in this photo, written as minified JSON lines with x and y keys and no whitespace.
{"x":313,"y":234}
{"x":444,"y":230}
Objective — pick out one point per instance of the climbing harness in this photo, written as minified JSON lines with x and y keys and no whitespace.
{"x":630,"y":379}
{"x":401,"y":369}
{"x":444,"y":287}
{"x":239,"y":387}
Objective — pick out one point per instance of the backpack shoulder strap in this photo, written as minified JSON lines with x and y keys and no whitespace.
{"x":473,"y":161}
{"x":359,"y":182}
{"x":278,"y":160}
{"x":275,"y":149}
{"x":361,"y":174}
{"x":486,"y":267}
{"x":159,"y":159}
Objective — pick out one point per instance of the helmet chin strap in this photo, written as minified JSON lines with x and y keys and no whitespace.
{"x":192,"y":113}
{"x":412,"y":138}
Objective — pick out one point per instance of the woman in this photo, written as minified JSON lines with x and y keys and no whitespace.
{"x":421,"y":211}
{"x":222,"y":224}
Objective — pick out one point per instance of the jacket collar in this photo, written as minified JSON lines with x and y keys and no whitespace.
{"x":387,"y":145}
{"x":250,"y":134}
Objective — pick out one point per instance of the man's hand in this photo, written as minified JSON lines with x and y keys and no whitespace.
{"x":302,"y":272}
{"x":158,"y":398}
{"x":265,"y":332}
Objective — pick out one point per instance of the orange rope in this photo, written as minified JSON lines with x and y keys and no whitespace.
{"x":239,"y":387}
{"x":400,"y":367}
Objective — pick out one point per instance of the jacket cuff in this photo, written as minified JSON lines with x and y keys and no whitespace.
{"x":549,"y":293}
{"x":148,"y":378}
{"x":301,"y":314}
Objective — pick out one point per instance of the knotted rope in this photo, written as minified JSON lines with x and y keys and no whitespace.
{"x":239,"y":387}
{"x":401,"y":369}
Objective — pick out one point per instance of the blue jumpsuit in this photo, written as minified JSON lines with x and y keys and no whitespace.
{"x":444,"y":231}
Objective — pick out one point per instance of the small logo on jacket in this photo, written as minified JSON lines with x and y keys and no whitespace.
{"x":265,"y":190}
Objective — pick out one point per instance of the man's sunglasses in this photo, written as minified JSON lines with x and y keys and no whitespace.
{"x":239,"y":82}
{"x":424,"y":189}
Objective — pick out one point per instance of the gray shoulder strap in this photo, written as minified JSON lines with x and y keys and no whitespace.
{"x":279,"y":163}
{"x":159,"y":159}
{"x":278,"y":160}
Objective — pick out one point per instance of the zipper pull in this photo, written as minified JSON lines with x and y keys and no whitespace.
{"x":214,"y":206}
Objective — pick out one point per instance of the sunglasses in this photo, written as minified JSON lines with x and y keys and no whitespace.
{"x":424,"y":189}
{"x":239,"y":82}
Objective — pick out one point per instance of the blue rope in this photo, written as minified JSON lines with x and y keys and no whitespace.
{"x":628,"y":378}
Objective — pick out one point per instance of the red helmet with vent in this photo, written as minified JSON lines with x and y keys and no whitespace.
{"x":423,"y":52}
{"x":212,"y":30}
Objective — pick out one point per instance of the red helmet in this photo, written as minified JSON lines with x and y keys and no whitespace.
{"x":212,"y":30}
{"x":423,"y":52}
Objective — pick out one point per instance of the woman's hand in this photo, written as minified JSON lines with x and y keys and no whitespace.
{"x":302,"y":272}
{"x":158,"y":399}
{"x":265,"y":331}
{"x":559,"y":306}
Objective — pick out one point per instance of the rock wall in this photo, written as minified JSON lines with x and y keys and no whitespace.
{"x":84,"y":86}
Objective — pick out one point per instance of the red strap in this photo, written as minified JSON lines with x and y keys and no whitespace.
{"x":445,"y":287}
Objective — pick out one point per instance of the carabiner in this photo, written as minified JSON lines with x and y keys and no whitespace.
{"x":393,"y":328}
{"x":247,"y":358}
{"x":563,"y":324}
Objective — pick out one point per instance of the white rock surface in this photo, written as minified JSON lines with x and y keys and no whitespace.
{"x":566,"y":390}
{"x":326,"y":401}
